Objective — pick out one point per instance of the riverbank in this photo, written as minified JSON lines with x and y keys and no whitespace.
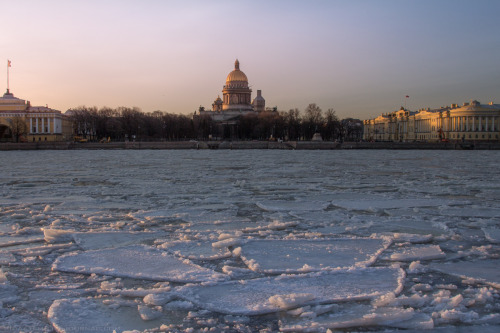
{"x":291,"y":145}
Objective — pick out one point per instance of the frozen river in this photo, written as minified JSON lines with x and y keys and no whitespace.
{"x":249,"y":241}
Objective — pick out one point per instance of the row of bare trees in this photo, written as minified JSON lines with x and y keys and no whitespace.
{"x":131,"y":124}
{"x":15,"y":130}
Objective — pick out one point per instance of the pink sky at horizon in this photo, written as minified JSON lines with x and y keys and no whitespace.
{"x":360,"y":58}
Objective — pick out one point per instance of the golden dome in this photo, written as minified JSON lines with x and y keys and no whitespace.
{"x":236,"y":75}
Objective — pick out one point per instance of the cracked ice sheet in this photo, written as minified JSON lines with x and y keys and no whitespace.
{"x":291,"y":206}
{"x":378,"y":204}
{"x":196,"y":250}
{"x":99,"y":240}
{"x":236,"y":225}
{"x":304,"y":255}
{"x":6,"y":241}
{"x":137,"y":262}
{"x":273,"y":294}
{"x":492,"y":234}
{"x":23,"y":323}
{"x":471,"y":212}
{"x":95,"y":315}
{"x":8,"y":292}
{"x":361,"y":316}
{"x":419,"y":252}
{"x":6,"y":258}
{"x":6,"y":228}
{"x":486,"y":271}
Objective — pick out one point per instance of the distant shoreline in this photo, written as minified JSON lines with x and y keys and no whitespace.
{"x":288,"y":145}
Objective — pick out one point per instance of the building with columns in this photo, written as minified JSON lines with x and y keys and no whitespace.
{"x":19,"y":121}
{"x":236,"y":99}
{"x":472,"y":122}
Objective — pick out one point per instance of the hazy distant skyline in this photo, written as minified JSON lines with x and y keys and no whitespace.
{"x":360,"y":58}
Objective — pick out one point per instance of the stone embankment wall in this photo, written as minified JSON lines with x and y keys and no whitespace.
{"x":423,"y":145}
{"x":298,"y":145}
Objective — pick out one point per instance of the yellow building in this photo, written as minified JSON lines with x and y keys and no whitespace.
{"x":472,"y":121}
{"x":21,"y":122}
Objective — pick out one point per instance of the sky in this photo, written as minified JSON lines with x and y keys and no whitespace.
{"x":358,"y":57}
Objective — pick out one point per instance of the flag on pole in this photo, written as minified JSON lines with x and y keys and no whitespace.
{"x":9,"y":63}
{"x":407,"y":96}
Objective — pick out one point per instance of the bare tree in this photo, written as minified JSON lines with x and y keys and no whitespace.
{"x":84,"y":122}
{"x":18,"y":127}
{"x":292,"y":124}
{"x":332,"y":126}
{"x":352,"y":129}
{"x":313,"y":120}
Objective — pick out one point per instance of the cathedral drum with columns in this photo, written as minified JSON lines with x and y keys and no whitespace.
{"x":236,"y":93}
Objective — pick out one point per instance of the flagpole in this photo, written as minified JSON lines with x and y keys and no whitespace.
{"x":8,"y":65}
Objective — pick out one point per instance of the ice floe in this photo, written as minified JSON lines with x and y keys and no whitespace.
{"x":196,"y":250}
{"x":362,"y":316}
{"x":16,"y":240}
{"x":287,"y":206}
{"x":101,"y":315}
{"x":139,"y":262}
{"x":378,"y":204}
{"x":272,"y":294}
{"x":6,"y":258}
{"x":492,"y":234}
{"x":8,"y":291}
{"x":99,"y":240}
{"x":418,"y":252}
{"x":305,"y":255}
{"x":486,"y":271}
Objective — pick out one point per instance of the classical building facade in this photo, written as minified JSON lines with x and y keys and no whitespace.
{"x":21,"y":122}
{"x":472,"y":121}
{"x":236,"y":99}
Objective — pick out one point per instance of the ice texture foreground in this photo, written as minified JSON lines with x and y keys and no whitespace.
{"x":272,"y":294}
{"x":140,"y":262}
{"x":127,"y":240}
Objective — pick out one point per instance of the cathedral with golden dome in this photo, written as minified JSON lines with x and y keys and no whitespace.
{"x":236,"y":99}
